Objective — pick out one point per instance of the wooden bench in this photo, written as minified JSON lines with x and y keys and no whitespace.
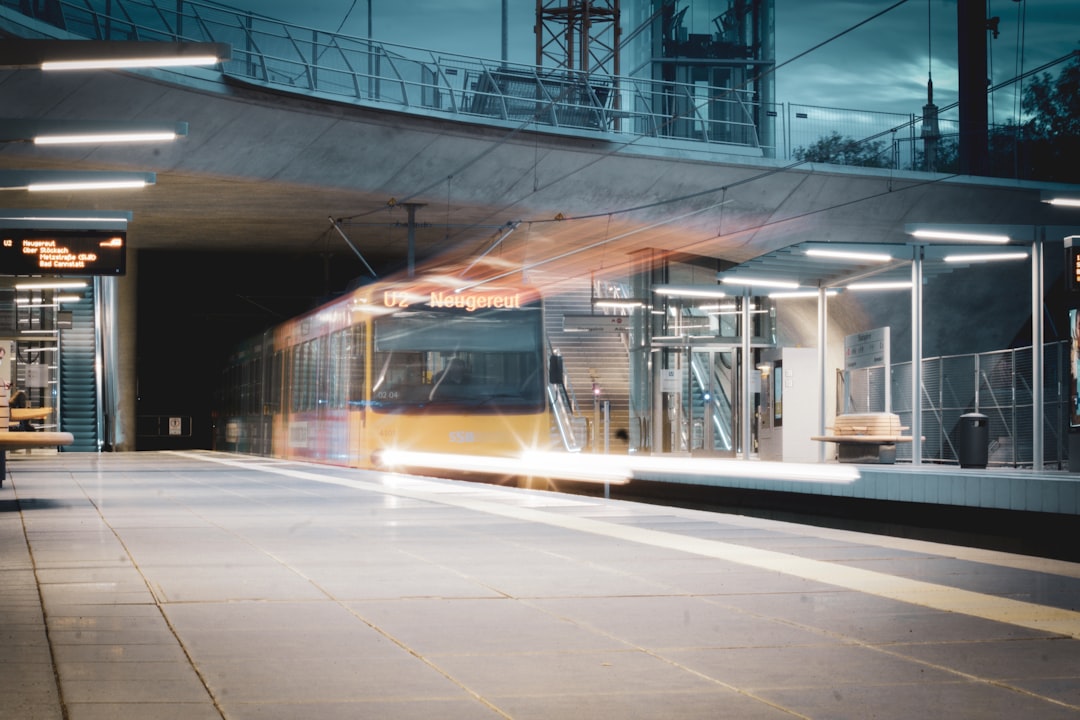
{"x":21,"y":414}
{"x":866,"y":437}
{"x":15,"y":440}
{"x":27,"y":441}
{"x":22,"y":417}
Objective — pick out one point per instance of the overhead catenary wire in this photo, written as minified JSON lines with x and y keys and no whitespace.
{"x":685,"y":197}
{"x":620,"y":146}
{"x":1018,"y":69}
{"x":796,"y":163}
{"x":591,"y":246}
{"x":690,"y":245}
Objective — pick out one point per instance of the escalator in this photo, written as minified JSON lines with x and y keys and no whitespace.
{"x":78,"y":380}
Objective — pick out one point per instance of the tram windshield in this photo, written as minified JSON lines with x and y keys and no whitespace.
{"x":483,"y":359}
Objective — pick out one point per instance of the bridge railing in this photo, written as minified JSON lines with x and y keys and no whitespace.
{"x":339,"y":67}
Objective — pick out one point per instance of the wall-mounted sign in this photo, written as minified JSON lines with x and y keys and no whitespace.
{"x":62,"y":252}
{"x":605,"y":323}
{"x":867,"y":349}
{"x":671,"y":380}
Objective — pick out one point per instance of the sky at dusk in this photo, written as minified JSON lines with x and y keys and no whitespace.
{"x":881,"y":65}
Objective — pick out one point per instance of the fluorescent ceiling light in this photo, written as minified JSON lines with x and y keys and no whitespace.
{"x":131,"y":62}
{"x":960,"y":236}
{"x":896,"y":285}
{"x":64,"y":180}
{"x":99,"y":138}
{"x":48,"y":220}
{"x":849,"y":255}
{"x":985,"y":257}
{"x":55,"y":218}
{"x":624,"y":304}
{"x":800,"y":294}
{"x":699,"y":291}
{"x":50,"y":54}
{"x":761,"y":282}
{"x":49,"y":131}
{"x":51,"y":285}
{"x":86,"y":185}
{"x":1068,"y":199}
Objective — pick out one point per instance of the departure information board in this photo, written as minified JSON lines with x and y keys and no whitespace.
{"x":1072,"y":268}
{"x":62,"y":252}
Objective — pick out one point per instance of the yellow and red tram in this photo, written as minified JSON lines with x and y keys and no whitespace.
{"x":413,"y":365}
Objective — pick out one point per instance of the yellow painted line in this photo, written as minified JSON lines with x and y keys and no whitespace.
{"x":916,"y":592}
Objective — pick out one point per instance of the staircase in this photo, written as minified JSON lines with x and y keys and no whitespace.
{"x":588,"y":358}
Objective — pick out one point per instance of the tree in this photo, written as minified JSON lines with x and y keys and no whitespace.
{"x":1050,"y":139}
{"x":838,"y":150}
{"x":946,"y":158}
{"x":1045,"y":147}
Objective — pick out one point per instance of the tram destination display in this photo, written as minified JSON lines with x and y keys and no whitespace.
{"x":62,"y":252}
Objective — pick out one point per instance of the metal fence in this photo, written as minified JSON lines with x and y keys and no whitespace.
{"x":996,"y":384}
{"x":339,"y":67}
{"x":362,"y":70}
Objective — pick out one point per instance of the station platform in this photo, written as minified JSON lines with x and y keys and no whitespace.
{"x":199,"y":585}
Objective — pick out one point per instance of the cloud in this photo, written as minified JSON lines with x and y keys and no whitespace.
{"x":888,"y":60}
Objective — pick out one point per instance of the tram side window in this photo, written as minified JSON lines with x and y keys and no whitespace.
{"x":241,"y":391}
{"x":335,"y":382}
{"x":237,"y":380}
{"x":251,"y":387}
{"x":305,"y":376}
{"x":309,"y":382}
{"x":322,"y":373}
{"x":295,"y":385}
{"x":400,"y":377}
{"x":232,"y":390}
{"x":339,"y":368}
{"x":245,"y":387}
{"x":354,"y":357}
{"x":273,"y":393}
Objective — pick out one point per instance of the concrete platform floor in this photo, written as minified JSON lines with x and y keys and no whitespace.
{"x":203,"y":586}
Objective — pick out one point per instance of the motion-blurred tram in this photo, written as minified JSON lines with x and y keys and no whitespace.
{"x":413,"y":365}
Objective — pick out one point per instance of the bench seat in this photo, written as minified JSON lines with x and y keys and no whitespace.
{"x":21,"y":414}
{"x":866,"y":437}
{"x":27,"y":441}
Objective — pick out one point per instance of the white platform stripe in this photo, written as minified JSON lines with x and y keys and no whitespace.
{"x":939,"y":597}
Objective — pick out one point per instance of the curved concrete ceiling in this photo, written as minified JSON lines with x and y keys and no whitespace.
{"x":266,"y":171}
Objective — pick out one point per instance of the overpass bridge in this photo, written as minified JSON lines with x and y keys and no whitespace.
{"x":305,"y":138}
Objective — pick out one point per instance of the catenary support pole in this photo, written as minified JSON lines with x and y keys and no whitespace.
{"x":823,"y":357}
{"x":1037,"y":350}
{"x":916,"y":354}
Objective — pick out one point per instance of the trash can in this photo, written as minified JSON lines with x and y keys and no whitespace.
{"x":973,"y":440}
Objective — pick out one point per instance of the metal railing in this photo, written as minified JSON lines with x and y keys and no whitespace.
{"x":361,"y":70}
{"x":342,"y":68}
{"x":997,"y":384}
